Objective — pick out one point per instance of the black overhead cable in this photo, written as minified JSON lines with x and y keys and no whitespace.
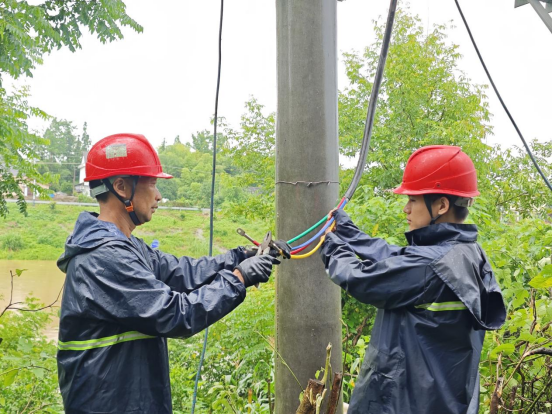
{"x":500,"y":98}
{"x":211,"y":213}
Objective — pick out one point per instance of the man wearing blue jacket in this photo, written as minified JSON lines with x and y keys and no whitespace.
{"x":436,"y":297}
{"x":122,"y":299}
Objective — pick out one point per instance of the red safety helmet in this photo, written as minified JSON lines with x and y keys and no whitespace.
{"x":439,"y":169}
{"x":123,"y":154}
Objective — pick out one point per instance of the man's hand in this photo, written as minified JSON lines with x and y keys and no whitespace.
{"x":256,"y":269}
{"x":284,"y":249}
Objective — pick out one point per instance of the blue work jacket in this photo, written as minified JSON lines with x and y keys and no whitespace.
{"x":121,"y":301}
{"x":436,"y":298}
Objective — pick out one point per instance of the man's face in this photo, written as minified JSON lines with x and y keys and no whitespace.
{"x":416,"y":211}
{"x":146,"y":198}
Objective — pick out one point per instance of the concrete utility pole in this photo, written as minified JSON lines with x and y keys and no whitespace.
{"x":308,"y":305}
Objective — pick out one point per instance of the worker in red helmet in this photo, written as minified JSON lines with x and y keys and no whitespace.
{"x":436,"y":297}
{"x":122,"y":298}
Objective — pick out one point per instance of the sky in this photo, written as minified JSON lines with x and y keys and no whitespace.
{"x":162,"y":82}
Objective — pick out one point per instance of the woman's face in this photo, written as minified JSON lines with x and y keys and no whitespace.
{"x":417,"y":214}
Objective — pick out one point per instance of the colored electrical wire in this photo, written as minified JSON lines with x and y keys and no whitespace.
{"x":213,"y":176}
{"x":303,"y":246}
{"x":500,"y":98}
{"x":322,"y":220}
{"x":329,"y":222}
{"x":309,"y":254}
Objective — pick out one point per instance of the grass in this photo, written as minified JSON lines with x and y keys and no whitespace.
{"x":42,"y":234}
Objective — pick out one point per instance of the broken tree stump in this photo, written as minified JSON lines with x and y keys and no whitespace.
{"x":308,"y":403}
{"x":335,"y":393}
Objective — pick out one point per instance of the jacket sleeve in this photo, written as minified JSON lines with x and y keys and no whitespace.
{"x":186,"y":274}
{"x":364,"y":246}
{"x":389,"y":283}
{"x":118,"y":287}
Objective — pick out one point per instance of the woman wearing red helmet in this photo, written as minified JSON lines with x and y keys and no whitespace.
{"x":122,"y":298}
{"x":436,"y":297}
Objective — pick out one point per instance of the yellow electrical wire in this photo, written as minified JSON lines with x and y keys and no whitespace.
{"x":309,"y":254}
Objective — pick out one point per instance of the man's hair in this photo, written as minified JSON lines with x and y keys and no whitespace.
{"x":460,"y":213}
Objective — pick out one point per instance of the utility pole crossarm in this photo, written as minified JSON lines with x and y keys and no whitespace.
{"x":543,"y":9}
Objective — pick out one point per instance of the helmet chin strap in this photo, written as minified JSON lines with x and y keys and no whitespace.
{"x":128,"y":203}
{"x":428,"y":205}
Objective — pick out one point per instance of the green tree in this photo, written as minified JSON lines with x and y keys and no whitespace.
{"x":64,"y":154}
{"x":252,"y":150}
{"x":27,"y":32}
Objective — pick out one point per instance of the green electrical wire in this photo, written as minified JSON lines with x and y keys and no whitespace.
{"x":323,"y":220}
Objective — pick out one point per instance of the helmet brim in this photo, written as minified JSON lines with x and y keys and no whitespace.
{"x":406,"y":191}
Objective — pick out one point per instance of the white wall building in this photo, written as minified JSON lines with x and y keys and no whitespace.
{"x":82,"y":187}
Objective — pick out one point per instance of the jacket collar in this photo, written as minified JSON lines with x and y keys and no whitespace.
{"x":441,"y":233}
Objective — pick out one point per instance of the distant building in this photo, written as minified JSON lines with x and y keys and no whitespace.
{"x":25,"y":189}
{"x":82,"y":187}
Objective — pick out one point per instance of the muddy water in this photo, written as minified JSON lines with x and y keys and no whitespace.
{"x":42,"y":280}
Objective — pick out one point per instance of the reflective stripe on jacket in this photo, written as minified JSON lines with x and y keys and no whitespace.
{"x":121,"y":301}
{"x":435,"y":299}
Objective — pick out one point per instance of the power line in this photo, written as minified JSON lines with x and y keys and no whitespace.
{"x":500,"y":98}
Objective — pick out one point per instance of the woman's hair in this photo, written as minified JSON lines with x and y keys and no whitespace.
{"x":460,"y":213}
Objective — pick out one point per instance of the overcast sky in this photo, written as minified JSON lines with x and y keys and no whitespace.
{"x":161,"y":83}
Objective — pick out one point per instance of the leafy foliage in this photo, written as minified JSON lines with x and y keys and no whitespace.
{"x":27,"y":32}
{"x":238,"y":364}
{"x":18,"y":149}
{"x":28,"y":379}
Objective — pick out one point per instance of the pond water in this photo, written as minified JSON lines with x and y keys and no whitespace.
{"x":42,"y":280}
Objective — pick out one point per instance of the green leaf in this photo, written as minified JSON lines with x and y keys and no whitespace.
{"x":38,"y":372}
{"x":541,"y":282}
{"x":24,"y":345}
{"x":526,"y":336}
{"x":506,"y":349}
{"x":19,"y":272}
{"x":9,"y":378}
{"x":546,"y":271}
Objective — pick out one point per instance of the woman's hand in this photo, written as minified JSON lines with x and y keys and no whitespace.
{"x":333,"y":226}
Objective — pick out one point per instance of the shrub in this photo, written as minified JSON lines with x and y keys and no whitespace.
{"x":83,"y":198}
{"x":12,"y":242}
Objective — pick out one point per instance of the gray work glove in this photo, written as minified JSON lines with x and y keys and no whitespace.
{"x":257,"y":269}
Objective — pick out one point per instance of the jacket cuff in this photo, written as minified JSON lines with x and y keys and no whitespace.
{"x":330,"y":244}
{"x":235,"y":281}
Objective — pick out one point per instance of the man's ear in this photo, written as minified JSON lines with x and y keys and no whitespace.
{"x":120,"y":186}
{"x":444,"y":205}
